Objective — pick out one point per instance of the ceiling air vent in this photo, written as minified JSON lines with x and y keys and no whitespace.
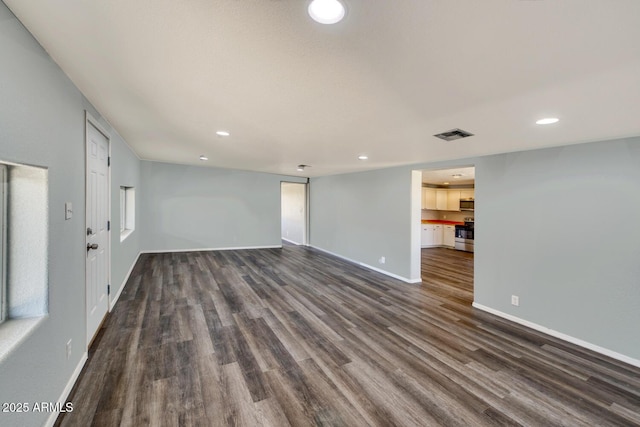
{"x":453,"y":134}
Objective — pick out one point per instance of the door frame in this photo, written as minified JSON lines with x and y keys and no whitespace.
{"x":305,"y":230}
{"x":416,"y":207}
{"x":92,"y":121}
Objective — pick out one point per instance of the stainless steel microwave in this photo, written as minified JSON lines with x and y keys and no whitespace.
{"x":467,"y":204}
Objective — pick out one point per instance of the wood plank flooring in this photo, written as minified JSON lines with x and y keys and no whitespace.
{"x":292,"y":336}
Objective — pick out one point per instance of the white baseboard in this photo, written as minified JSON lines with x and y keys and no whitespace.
{"x":292,"y":242}
{"x":593,"y":347}
{"x":165,"y":251}
{"x":379,"y":270}
{"x":65,"y":393}
{"x":114,"y":300}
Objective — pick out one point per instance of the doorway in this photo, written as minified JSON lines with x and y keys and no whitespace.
{"x":447,"y":228}
{"x":294,"y":213}
{"x":97,"y":266}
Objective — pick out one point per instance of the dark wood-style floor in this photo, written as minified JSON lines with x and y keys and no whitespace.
{"x":295,"y":337}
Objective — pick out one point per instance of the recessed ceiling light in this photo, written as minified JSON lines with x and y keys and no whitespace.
{"x":547,"y":121}
{"x":222,"y":133}
{"x":363,"y":157}
{"x":456,"y":176}
{"x":326,"y":11}
{"x":203,"y":157}
{"x":445,"y":183}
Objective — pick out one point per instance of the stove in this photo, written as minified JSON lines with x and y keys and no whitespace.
{"x":464,"y":235}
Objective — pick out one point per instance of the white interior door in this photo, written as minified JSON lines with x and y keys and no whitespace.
{"x":97,"y":263}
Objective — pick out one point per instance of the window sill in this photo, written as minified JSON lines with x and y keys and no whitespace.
{"x":124,"y":234}
{"x":15,"y":331}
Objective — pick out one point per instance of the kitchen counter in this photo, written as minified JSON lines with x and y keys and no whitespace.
{"x":441,"y":221}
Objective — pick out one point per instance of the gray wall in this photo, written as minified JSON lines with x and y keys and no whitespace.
{"x":42,"y":122}
{"x":573,"y":264}
{"x":557,"y":227}
{"x":125,"y":172}
{"x":190,"y":207}
{"x":364,"y":216}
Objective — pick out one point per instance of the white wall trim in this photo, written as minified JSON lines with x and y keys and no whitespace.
{"x":164,"y":251}
{"x":292,"y":242}
{"x":415,"y":259}
{"x":115,"y":298}
{"x":386,"y":273}
{"x":560,"y":335}
{"x":65,"y":393}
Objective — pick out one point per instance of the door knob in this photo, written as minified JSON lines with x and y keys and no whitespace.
{"x":92,"y":246}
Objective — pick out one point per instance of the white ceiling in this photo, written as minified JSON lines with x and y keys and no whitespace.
{"x":440,"y":176}
{"x":167,"y":74}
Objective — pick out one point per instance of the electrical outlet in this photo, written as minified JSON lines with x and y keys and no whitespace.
{"x":68,"y":349}
{"x":382,"y":260}
{"x":515,"y":300}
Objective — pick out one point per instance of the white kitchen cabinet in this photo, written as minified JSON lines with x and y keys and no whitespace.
{"x":467,"y":194}
{"x":449,"y":236}
{"x":427,"y":235}
{"x":437,"y":235}
{"x":441,"y":199}
{"x":428,"y":198}
{"x":453,"y":200}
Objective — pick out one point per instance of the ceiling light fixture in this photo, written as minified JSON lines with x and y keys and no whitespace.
{"x":363,"y":157}
{"x":222,"y":133}
{"x":445,"y":183}
{"x":547,"y":121}
{"x":326,"y":11}
{"x":300,"y":168}
{"x":203,"y":157}
{"x":457,"y":176}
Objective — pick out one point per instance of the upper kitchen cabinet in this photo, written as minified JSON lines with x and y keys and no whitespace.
{"x":441,"y":199}
{"x":428,"y":198}
{"x":467,"y":194}
{"x":453,"y":200}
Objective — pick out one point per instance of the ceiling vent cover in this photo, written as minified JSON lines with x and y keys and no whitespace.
{"x":453,"y":134}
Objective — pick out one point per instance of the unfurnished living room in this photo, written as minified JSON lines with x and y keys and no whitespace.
{"x":263,"y":213}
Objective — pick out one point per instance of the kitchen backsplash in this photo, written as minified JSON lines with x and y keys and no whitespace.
{"x":448,"y":215}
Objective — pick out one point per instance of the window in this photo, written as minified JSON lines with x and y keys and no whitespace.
{"x":24,"y":222}
{"x":3,"y":241}
{"x":127,"y":211}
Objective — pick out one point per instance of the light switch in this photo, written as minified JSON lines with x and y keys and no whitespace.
{"x":68,"y":210}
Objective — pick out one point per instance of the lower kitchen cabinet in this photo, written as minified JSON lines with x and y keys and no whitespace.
{"x":431,"y":235}
{"x":437,"y":235}
{"x":426,"y":235}
{"x":449,"y":236}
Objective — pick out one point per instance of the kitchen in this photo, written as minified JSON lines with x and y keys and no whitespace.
{"x":448,"y":203}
